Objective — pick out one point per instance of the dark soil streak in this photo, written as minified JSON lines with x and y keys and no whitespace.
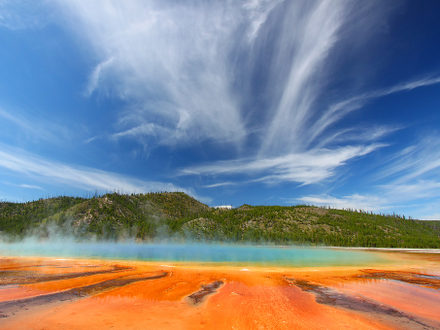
{"x":425,"y":280}
{"x":18,"y":267}
{"x":328,"y":296}
{"x":197,"y":297}
{"x":12,"y":307}
{"x":9,"y":277}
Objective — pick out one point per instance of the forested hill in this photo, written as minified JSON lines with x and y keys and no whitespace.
{"x":181,"y":217}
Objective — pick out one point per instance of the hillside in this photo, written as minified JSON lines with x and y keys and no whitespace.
{"x":179,"y":216}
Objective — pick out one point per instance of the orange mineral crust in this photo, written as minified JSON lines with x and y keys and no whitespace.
{"x":48,"y":293}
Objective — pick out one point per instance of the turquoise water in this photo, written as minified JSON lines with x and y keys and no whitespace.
{"x":205,"y":253}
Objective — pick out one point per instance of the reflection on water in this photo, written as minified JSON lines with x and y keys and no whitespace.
{"x":261,"y":255}
{"x":428,"y":276}
{"x":410,"y":297}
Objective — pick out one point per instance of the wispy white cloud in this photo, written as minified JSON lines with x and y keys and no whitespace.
{"x":305,"y":168}
{"x":407,"y":180}
{"x":419,"y":160}
{"x":36,"y":128}
{"x":164,"y":134}
{"x":355,"y":202}
{"x":97,"y":76}
{"x":290,"y":168}
{"x":15,"y":119}
{"x":90,"y":179}
{"x":24,"y":185}
{"x":407,"y":197}
{"x":22,"y":14}
{"x":220,"y":184}
{"x":433,"y":216}
{"x":341,"y":109}
{"x":30,"y":186}
{"x":418,"y":199}
{"x":316,"y":31}
{"x":356,"y":135}
{"x":175,"y":64}
{"x":168,"y":60}
{"x":177,"y":67}
{"x":258,"y":11}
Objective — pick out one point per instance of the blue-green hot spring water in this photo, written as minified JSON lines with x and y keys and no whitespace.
{"x":195,"y":252}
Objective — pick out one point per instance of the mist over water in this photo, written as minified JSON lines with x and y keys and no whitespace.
{"x":192,"y":252}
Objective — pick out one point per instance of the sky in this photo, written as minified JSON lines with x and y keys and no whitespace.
{"x":330,"y":103}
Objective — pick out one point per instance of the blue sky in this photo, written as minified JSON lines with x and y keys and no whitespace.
{"x":263,"y":102}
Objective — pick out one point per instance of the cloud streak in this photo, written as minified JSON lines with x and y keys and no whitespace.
{"x":315,"y":33}
{"x":30,"y":186}
{"x":305,"y":168}
{"x":36,"y":128}
{"x":90,"y":179}
{"x":220,"y":184}
{"x":341,"y":109}
{"x":354,"y":202}
{"x":407,"y":181}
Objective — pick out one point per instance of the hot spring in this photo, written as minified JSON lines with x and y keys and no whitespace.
{"x":194,"y":252}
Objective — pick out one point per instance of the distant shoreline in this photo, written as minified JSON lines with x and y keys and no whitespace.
{"x":409,"y":250}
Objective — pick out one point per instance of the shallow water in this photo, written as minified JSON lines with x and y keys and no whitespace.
{"x":216,"y":253}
